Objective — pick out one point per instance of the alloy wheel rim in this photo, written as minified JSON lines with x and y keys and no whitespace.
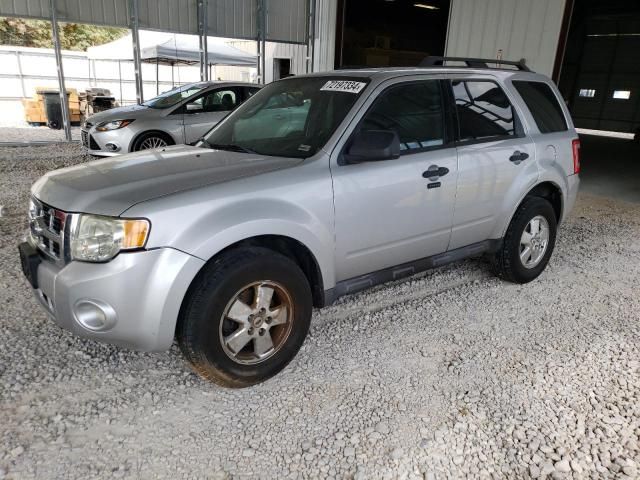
{"x":256,"y":322}
{"x":153,"y":142}
{"x":534,"y":241}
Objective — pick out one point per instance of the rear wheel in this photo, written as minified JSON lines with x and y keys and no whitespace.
{"x":528,"y":243}
{"x":245,"y":317}
{"x":150,"y":140}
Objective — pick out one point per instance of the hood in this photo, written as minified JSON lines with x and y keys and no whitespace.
{"x":122,"y":113}
{"x":111,"y":185}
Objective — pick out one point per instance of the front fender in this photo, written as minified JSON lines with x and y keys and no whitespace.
{"x":293,"y":202}
{"x":292,"y":222}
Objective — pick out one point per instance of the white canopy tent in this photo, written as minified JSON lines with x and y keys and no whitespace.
{"x":286,"y":21}
{"x":171,"y":49}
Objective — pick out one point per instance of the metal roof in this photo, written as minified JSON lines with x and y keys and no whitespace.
{"x":286,"y":20}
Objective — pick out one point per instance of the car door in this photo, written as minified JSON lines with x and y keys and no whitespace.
{"x":395,"y":211}
{"x":496,"y":160}
{"x":207,"y":109}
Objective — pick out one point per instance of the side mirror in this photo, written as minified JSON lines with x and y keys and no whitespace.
{"x":194,"y":107}
{"x":373,"y":145}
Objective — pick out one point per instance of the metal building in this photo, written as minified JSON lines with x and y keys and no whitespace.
{"x":587,"y":46}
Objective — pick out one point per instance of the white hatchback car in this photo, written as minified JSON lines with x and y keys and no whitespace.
{"x":181,"y":115}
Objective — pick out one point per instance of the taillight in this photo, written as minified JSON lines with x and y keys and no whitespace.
{"x":575,"y":146}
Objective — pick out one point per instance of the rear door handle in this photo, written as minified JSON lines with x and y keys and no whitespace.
{"x":434,"y":172}
{"x":518,"y":157}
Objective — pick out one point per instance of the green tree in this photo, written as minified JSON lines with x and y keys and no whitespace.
{"x":37,"y":33}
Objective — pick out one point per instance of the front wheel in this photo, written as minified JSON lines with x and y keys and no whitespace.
{"x":150,"y":140}
{"x":528,"y":243}
{"x":245,"y":317}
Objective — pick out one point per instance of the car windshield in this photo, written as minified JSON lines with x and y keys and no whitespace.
{"x":289,"y":118}
{"x":174,"y":96}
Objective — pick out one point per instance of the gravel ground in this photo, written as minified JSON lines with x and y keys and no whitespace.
{"x":35,"y":134}
{"x":446,"y":375}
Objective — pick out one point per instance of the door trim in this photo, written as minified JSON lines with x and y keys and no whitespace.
{"x":368,"y":280}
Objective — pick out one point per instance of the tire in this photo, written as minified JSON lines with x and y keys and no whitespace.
{"x":508,"y":263}
{"x":228,"y":287}
{"x":149,"y":139}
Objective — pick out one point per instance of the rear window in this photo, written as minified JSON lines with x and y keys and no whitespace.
{"x":543,"y":105}
{"x":484,"y":111}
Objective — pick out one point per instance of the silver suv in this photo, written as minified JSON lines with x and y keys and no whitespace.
{"x":317,"y":187}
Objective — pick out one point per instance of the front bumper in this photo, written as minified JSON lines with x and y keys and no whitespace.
{"x":138,"y":295}
{"x":97,"y":143}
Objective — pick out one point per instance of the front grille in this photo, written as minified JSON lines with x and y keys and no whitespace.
{"x":92,"y":143}
{"x":85,"y":138}
{"x":48,"y":226}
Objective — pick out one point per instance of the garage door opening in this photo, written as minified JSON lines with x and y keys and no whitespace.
{"x":383,"y":33}
{"x":600,"y":76}
{"x":600,"y":81}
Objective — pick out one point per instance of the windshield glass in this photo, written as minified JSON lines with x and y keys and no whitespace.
{"x":289,"y":118}
{"x":174,"y":96}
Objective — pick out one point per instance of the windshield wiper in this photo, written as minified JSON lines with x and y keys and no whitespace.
{"x":227,"y":146}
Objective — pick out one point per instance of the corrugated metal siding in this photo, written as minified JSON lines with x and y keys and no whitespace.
{"x":22,"y":8}
{"x":96,"y":12}
{"x":233,"y":18}
{"x":287,"y":20}
{"x":527,"y":29}
{"x":325,"y":43}
{"x":178,"y":16}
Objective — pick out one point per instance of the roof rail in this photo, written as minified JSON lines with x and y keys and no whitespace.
{"x":474,"y":62}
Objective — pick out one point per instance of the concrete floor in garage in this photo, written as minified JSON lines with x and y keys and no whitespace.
{"x":610,"y":167}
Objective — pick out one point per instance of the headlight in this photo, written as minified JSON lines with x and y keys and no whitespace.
{"x":114,"y":125}
{"x":98,"y":239}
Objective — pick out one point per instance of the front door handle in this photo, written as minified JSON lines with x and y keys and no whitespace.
{"x":518,"y":157}
{"x":434,"y":172}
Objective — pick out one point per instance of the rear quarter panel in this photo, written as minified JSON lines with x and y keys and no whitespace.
{"x":553,"y":152}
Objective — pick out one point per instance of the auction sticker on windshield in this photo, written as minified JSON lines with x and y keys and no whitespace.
{"x":343,"y":86}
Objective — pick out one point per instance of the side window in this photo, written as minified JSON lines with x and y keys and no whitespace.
{"x":214,"y":101}
{"x":414,"y":111}
{"x":543,"y":105}
{"x":483,"y":109}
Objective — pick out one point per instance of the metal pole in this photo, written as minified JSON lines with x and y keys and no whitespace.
{"x":313,"y":34}
{"x":259,"y":70}
{"x":66,"y":119}
{"x":137,"y":66}
{"x":24,"y":90}
{"x":263,"y":35}
{"x":258,"y":42}
{"x":157,"y":78}
{"x":120,"y":79}
{"x":203,"y":31}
